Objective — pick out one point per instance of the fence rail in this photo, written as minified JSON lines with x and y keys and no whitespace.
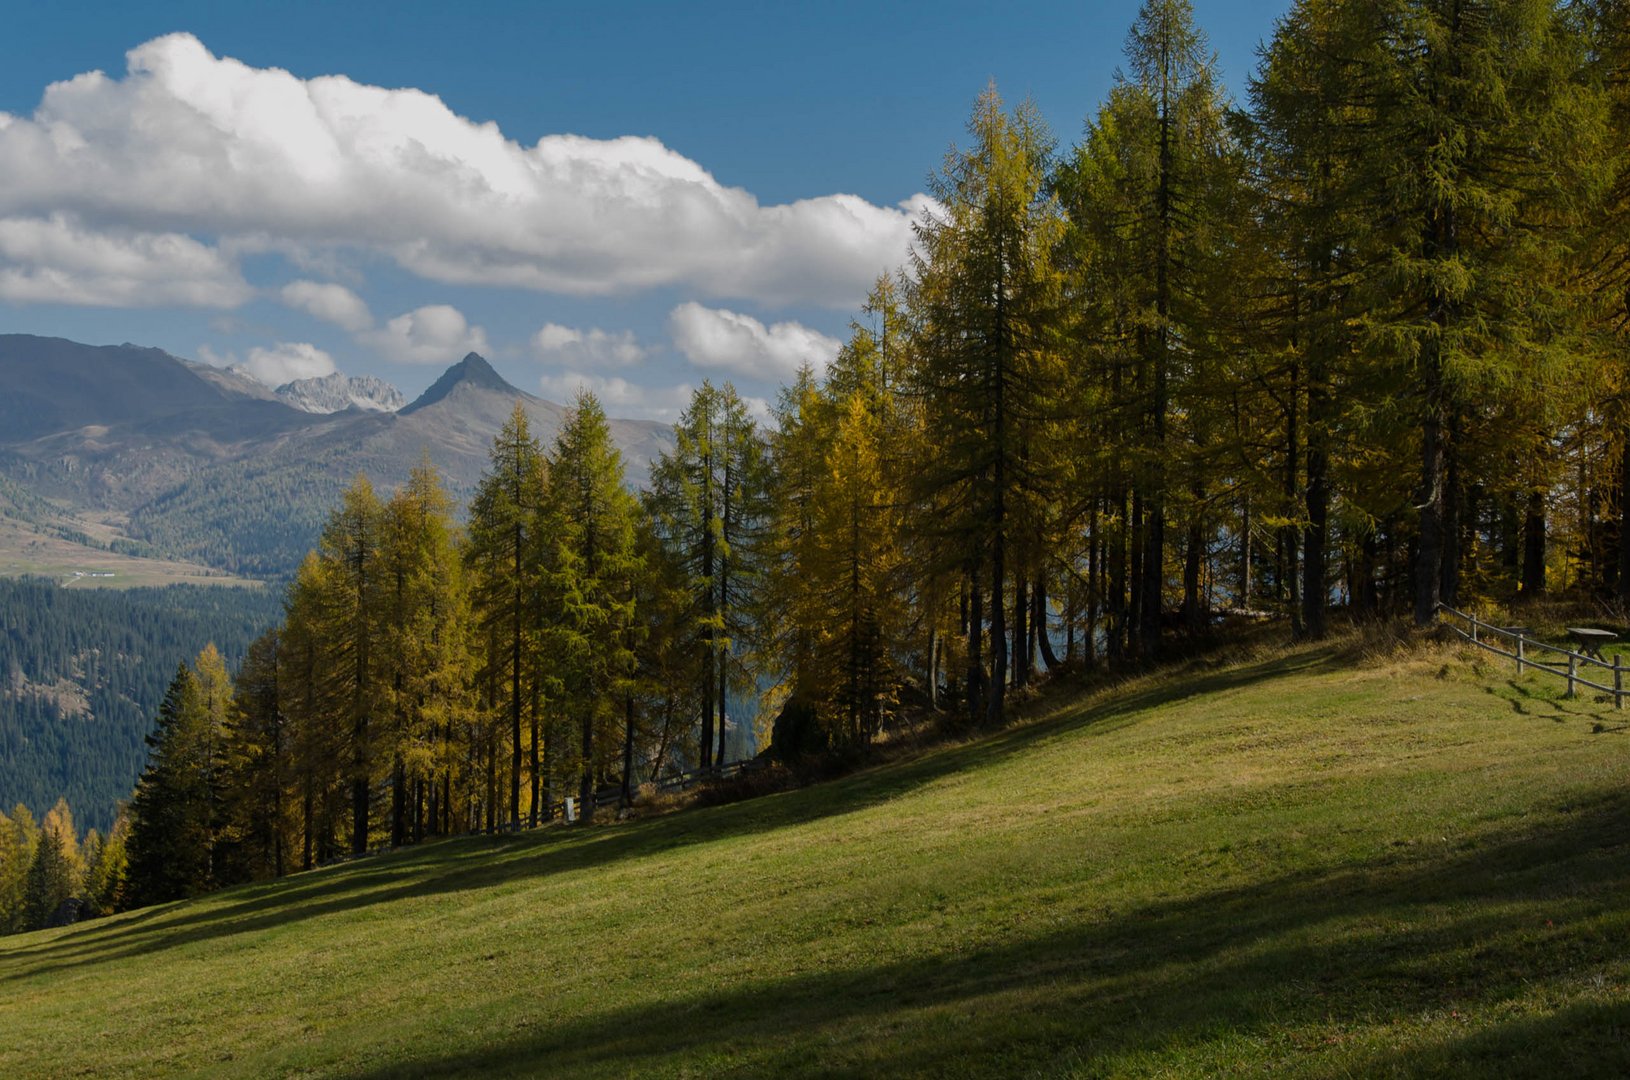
{"x":1484,"y":634}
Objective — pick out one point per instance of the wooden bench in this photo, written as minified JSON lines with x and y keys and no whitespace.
{"x":1590,"y":641}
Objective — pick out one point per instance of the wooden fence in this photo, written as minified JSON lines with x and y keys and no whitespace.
{"x":1485,"y":636}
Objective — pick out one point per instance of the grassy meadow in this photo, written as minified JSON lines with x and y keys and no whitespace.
{"x":1327,"y":861}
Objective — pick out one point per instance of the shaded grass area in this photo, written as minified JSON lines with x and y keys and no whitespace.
{"x":1316,"y":863}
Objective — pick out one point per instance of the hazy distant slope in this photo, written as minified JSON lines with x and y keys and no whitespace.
{"x":212,"y":468}
{"x":53,"y":385}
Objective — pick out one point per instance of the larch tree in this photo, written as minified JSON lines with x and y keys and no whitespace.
{"x":260,"y":765}
{"x":1150,"y":185}
{"x":985,"y":367}
{"x":426,"y":637}
{"x":503,"y":554}
{"x":352,"y":630}
{"x":591,"y":565}
{"x":707,"y":503}
{"x":1471,"y":154}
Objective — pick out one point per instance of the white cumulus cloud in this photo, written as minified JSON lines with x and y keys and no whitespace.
{"x":618,"y":396}
{"x":434,"y":334}
{"x":569,"y":346}
{"x":331,"y":303}
{"x":57,"y":259}
{"x":189,"y":142}
{"x":740,"y":344}
{"x":284,"y":362}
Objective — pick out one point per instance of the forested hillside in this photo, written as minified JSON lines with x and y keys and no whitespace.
{"x":82,"y":673}
{"x":1356,"y":349}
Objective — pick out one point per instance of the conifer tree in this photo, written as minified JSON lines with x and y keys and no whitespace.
{"x":351,"y":632}
{"x":987,"y":290}
{"x":106,"y":868}
{"x":305,"y":687}
{"x":19,"y":838}
{"x":1475,"y":115}
{"x":170,"y":826}
{"x":426,"y":636}
{"x":50,"y":882}
{"x":592,"y":563}
{"x":261,"y":766}
{"x":504,"y":543}
{"x":1150,"y":186}
{"x":707,"y":501}
{"x":856,"y":577}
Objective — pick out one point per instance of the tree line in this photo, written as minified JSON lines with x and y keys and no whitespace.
{"x":1353,"y":345}
{"x":49,"y":876}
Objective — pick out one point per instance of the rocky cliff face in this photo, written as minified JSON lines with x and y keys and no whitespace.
{"x":336,"y":393}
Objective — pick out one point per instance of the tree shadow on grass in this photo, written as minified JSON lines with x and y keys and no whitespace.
{"x":456,"y":865}
{"x":1287,"y":968}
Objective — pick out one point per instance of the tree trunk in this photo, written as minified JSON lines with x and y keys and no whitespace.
{"x":976,"y":661}
{"x":628,"y":750}
{"x":1193,"y":617}
{"x":1533,"y":547}
{"x":1429,"y":550}
{"x":1315,"y":537}
{"x":1624,"y":518}
{"x":934,"y":668}
{"x":1453,"y":497}
{"x":996,"y":697}
{"x":1243,"y":601}
{"x":585,"y":790}
{"x":1021,"y":631}
{"x":1038,"y":623}
{"x":536,"y":779}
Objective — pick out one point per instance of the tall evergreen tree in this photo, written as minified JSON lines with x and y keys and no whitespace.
{"x":987,"y":291}
{"x":1151,"y":185}
{"x":170,"y":826}
{"x":504,"y":545}
{"x":592,"y":563}
{"x":261,"y":764}
{"x":50,"y":882}
{"x":352,"y":631}
{"x":707,"y":501}
{"x":1476,"y":117}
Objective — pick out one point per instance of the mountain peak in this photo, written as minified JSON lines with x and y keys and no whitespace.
{"x":472,"y":371}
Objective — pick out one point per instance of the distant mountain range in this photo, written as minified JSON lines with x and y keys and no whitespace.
{"x":135,"y":450}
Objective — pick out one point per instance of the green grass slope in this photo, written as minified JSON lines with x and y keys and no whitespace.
{"x":1306,"y":864}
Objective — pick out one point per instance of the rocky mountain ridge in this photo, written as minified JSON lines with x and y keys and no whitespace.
{"x":337,"y":392}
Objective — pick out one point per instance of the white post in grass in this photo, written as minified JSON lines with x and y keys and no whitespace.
{"x":1573,"y":671}
{"x":1519,"y":654}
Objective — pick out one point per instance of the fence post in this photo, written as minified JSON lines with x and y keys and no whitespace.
{"x":1519,"y":653}
{"x":1573,"y":672}
{"x":1618,"y":681}
{"x":1473,"y":620}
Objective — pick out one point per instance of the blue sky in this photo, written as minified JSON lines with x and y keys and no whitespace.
{"x":206,"y":203}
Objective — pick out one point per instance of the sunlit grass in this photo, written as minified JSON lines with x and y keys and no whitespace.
{"x":1320,"y":862}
